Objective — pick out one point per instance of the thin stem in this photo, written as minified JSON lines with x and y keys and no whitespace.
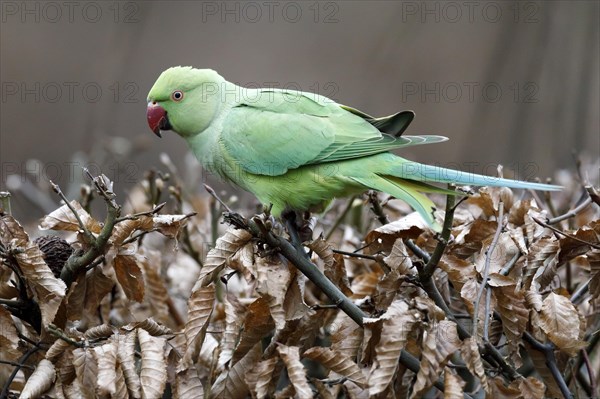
{"x":376,"y":207}
{"x":557,"y":231}
{"x":443,"y":240}
{"x":58,"y":191}
{"x":20,"y":363}
{"x":486,"y":271}
{"x":571,"y":213}
{"x":340,"y":218}
{"x":356,"y":255}
{"x":548,"y":351}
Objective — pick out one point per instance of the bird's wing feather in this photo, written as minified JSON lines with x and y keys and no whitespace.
{"x":277,"y":130}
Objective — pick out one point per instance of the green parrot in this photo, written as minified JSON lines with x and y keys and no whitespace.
{"x":296,"y":151}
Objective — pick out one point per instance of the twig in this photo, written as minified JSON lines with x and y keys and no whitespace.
{"x":593,"y":194}
{"x":571,"y":213}
{"x":5,"y":202}
{"x":554,"y":229}
{"x":58,"y":333}
{"x":62,"y":196}
{"x":135,"y":216}
{"x":25,"y":366}
{"x":579,"y":293}
{"x":486,"y":270}
{"x":417,"y":251}
{"x":77,"y":263}
{"x":20,"y":364}
{"x":340,"y":218}
{"x":376,"y":258}
{"x":590,"y":370}
{"x":376,"y":207}
{"x":215,"y":196}
{"x":548,"y":351}
{"x":431,"y":265}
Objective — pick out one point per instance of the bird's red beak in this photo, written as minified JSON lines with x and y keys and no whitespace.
{"x":157,"y":117}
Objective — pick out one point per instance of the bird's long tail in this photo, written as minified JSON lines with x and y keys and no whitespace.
{"x":427,"y":173}
{"x":409,"y":180}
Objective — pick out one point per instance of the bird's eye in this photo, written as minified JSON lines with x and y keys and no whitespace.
{"x":177,"y":95}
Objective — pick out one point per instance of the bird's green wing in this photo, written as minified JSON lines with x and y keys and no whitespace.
{"x":273,"y":131}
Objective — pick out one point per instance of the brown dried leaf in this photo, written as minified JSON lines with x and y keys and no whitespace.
{"x":260,"y":379}
{"x":334,"y":268}
{"x":169,"y":225}
{"x":384,"y":237}
{"x":560,"y":321}
{"x":150,"y":325}
{"x":501,"y":391}
{"x":243,"y":262}
{"x":130,"y":277}
{"x":48,"y":291}
{"x":346,"y":336}
{"x":153,"y":368}
{"x":120,"y":384}
{"x":517,"y":213}
{"x":124,"y":229}
{"x":257,"y":325}
{"x":540,"y":254}
{"x":127,"y":362}
{"x":472,"y":358}
{"x":58,"y":348}
{"x":200,"y":307}
{"x":64,"y":219}
{"x":9,"y":339}
{"x":365,"y":285}
{"x":337,"y":362}
{"x":452,"y":385}
{"x":484,"y":201}
{"x":231,"y":384}
{"x":513,"y":311}
{"x":40,"y":381}
{"x":399,"y":259}
{"x":296,"y":371}
{"x":274,"y":279}
{"x":398,"y":322}
{"x":97,"y":285}
{"x":188,"y":384}
{"x":530,"y":387}
{"x":227,"y":245}
{"x":156,"y":294}
{"x":459,"y":270}
{"x":86,"y":369}
{"x":570,"y":248}
{"x":107,"y":364}
{"x":235,"y":312}
{"x":99,"y":332}
{"x":440,"y":341}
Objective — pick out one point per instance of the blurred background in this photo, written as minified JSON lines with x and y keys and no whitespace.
{"x":509,"y":82}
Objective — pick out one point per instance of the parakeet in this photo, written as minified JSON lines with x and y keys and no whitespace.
{"x":297,"y":150}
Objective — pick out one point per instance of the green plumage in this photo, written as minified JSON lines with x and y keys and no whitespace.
{"x":298,"y":150}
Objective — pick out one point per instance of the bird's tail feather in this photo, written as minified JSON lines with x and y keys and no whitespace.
{"x":408,"y":191}
{"x":427,"y":173}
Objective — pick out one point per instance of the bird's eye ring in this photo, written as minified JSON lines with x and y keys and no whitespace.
{"x":177,"y":95}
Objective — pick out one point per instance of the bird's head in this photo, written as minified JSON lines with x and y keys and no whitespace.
{"x":185,"y":100}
